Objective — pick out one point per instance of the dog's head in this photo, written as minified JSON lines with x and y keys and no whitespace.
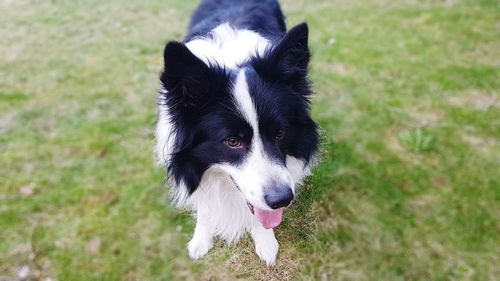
{"x":252,"y":122}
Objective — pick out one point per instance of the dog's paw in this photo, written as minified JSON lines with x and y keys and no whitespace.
{"x":266,"y":247}
{"x":199,"y":246}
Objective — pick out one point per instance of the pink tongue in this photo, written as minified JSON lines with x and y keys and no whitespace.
{"x":269,"y":219}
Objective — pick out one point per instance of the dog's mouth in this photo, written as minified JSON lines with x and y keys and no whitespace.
{"x":268,"y":219}
{"x":251,"y":208}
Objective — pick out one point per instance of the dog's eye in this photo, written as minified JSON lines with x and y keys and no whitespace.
{"x":280,"y":134}
{"x":232,"y":142}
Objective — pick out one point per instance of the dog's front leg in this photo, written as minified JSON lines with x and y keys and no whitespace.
{"x":202,"y":240}
{"x":266,"y":244}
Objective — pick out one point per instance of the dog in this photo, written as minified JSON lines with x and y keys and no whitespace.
{"x":234,"y":130}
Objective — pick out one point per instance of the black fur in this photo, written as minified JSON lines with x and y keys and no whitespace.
{"x":263,"y":16}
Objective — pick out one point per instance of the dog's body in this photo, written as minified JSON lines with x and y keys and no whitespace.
{"x":234,"y":128}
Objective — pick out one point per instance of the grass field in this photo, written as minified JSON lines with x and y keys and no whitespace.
{"x":408,"y":187}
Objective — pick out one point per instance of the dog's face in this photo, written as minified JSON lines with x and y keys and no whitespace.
{"x":248,"y":122}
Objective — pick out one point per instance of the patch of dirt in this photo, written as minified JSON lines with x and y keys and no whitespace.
{"x":486,"y":146}
{"x":472,"y":137}
{"x":338,"y":68}
{"x":478,"y":141}
{"x":477,"y":100}
{"x":8,"y":121}
{"x":392,"y":142}
{"x":425,"y":118}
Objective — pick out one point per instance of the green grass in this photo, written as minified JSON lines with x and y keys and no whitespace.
{"x":416,"y":141}
{"x":407,"y":189}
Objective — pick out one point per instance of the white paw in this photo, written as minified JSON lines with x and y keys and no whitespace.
{"x":267,"y":247}
{"x":199,"y":246}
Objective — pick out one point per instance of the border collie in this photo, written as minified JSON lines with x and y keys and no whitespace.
{"x":234,"y":130}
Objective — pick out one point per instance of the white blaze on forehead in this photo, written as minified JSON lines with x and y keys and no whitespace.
{"x":245,"y":103}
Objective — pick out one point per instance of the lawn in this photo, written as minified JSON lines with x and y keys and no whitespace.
{"x":408,"y":185}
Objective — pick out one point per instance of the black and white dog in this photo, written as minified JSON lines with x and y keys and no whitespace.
{"x":234,"y":129}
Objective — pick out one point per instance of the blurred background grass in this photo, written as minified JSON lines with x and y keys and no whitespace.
{"x":408,"y":189}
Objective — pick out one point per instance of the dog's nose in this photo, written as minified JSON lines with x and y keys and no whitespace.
{"x":278,"y":197}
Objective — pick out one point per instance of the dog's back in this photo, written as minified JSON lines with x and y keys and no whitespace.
{"x":264,"y":17}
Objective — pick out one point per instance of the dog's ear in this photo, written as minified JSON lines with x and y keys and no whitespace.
{"x":289,"y":58}
{"x":185,"y":77}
